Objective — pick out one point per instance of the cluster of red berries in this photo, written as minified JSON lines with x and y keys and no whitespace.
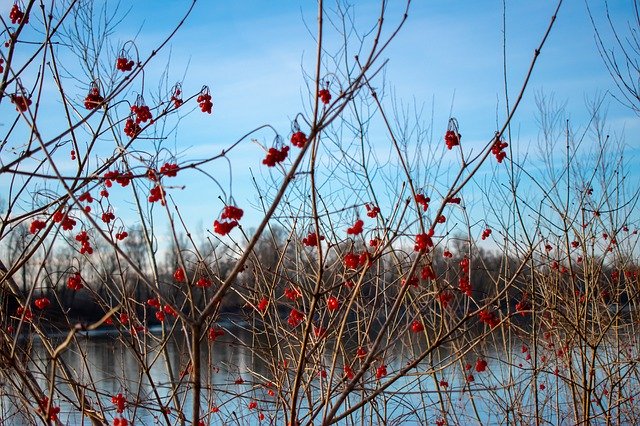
{"x":451,"y":139}
{"x":108,"y":217}
{"x":169,"y":169}
{"x":123,"y":179}
{"x":203,"y":282}
{"x":179,"y":275}
{"x":121,"y":235}
{"x":231,"y":213}
{"x":131,"y":128}
{"x":354,"y":261}
{"x":312,"y":239}
{"x":124,"y":64}
{"x":481,"y":365}
{"x":372,"y":211}
{"x":424,"y":241}
{"x":229,"y":220}
{"x":1,"y":65}
{"x":64,"y":220}
{"x":348,"y":372}
{"x":74,"y":282}
{"x":160,"y":313}
{"x":356,"y":228}
{"x":93,"y":99}
{"x":22,"y":103}
{"x":324,"y":95}
{"x":485,"y":234}
{"x":464,"y":282}
{"x":157,"y":193}
{"x":53,"y":410}
{"x":17,"y":16}
{"x":292,"y":293}
{"x":295,"y":318}
{"x":141,"y":111}
{"x":381,"y":371}
{"x":214,"y":333}
{"x":262,"y":304}
{"x":298,"y":139}
{"x":83,"y":239}
{"x":445,"y":298}
{"x":28,"y":315}
{"x":204,"y":100}
{"x":497,"y":149}
{"x":489,"y":318}
{"x":454,"y":200}
{"x":42,"y":303}
{"x":275,"y":156}
{"x":427,"y":272}
{"x":176,"y":97}
{"x":36,"y":226}
{"x":423,"y":201}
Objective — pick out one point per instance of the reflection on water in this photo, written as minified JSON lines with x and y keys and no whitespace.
{"x":237,"y":376}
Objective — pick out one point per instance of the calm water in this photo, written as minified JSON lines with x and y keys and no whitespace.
{"x":112,"y":367}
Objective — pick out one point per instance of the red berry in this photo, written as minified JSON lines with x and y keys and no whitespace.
{"x":332,"y":303}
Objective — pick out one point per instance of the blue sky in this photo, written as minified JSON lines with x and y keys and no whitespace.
{"x":449,"y":54}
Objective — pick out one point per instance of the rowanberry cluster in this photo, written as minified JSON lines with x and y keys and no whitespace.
{"x":203,"y":282}
{"x":42,"y":303}
{"x":121,"y":178}
{"x":423,"y":201}
{"x":275,"y":156}
{"x":141,"y":111}
{"x":229,"y":219}
{"x":36,"y":226}
{"x":83,"y":239}
{"x":204,"y":100}
{"x":169,"y":169}
{"x":464,"y":282}
{"x":312,"y":239}
{"x":66,"y":222}
{"x":498,"y":150}
{"x":424,"y":241}
{"x":22,"y":103}
{"x":131,"y":128}
{"x":74,"y":282}
{"x":17,"y":16}
{"x":176,"y":97}
{"x":123,"y":64}
{"x":232,"y":213}
{"x":356,"y":228}
{"x":295,"y":318}
{"x":93,"y":99}
{"x":445,"y":298}
{"x":298,"y":139}
{"x":451,"y":139}
{"x":224,"y":227}
{"x":108,"y":217}
{"x":157,"y":193}
{"x":324,"y":95}
{"x":53,"y":410}
{"x":372,"y":211}
{"x":354,"y":261}
{"x":489,"y":318}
